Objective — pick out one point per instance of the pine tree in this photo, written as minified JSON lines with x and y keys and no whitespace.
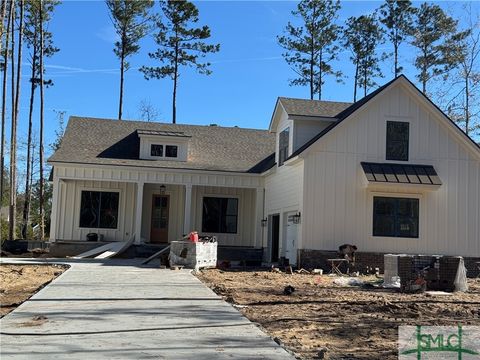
{"x":180,"y":45}
{"x":396,"y":16}
{"x":32,"y":39}
{"x":362,"y":37}
{"x":312,"y":47}
{"x":437,"y":41}
{"x":3,"y":184}
{"x":131,"y":22}
{"x":16,"y":86}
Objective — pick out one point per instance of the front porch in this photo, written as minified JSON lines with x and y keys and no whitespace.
{"x":157,"y":208}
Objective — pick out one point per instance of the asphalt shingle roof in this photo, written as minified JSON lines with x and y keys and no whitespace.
{"x":214,"y":148}
{"x":303,"y":107}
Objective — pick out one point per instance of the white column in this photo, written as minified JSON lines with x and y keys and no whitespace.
{"x":138,"y":213}
{"x":53,"y":216}
{"x":188,"y":209}
{"x":259,"y":198}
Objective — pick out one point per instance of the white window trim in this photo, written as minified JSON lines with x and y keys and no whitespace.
{"x":421,"y":215}
{"x":221,"y":196}
{"x":164,"y":151}
{"x":79,"y":207}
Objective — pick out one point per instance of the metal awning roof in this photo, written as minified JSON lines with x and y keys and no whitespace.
{"x":401,"y":173}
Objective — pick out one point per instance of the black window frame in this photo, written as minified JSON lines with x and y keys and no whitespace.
{"x":219,"y":225}
{"x":155,"y":153}
{"x":396,"y":217}
{"x":397,"y":140}
{"x":171,"y":147}
{"x":283,"y":145}
{"x":97,"y":211}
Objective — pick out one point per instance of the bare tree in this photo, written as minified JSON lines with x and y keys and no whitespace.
{"x":147,"y":111}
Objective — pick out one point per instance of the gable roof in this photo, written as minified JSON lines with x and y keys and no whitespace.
{"x":214,"y":148}
{"x":340,"y":117}
{"x":320,"y":108}
{"x":359,"y":104}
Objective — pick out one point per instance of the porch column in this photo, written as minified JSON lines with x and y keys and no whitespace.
{"x":138,"y":213}
{"x":188,"y":209}
{"x":259,"y":199}
{"x":53,"y":216}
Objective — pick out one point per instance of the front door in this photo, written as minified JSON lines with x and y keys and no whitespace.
{"x":159,"y":227}
{"x":291,"y":237}
{"x":275,"y":231}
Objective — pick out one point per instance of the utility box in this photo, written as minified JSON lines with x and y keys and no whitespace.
{"x":193,"y":255}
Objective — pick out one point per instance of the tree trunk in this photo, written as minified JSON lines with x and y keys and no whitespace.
{"x":13,"y":153}
{"x":122,"y":71}
{"x":395,"y":54}
{"x":365,"y":74}
{"x":13,"y":166}
{"x":175,"y":77}
{"x":40,"y":159}
{"x":312,"y":78}
{"x":320,"y":75}
{"x":26,"y":205}
{"x":424,"y":72}
{"x":4,"y":106}
{"x":355,"y":82}
{"x":3,"y":9}
{"x":467,"y":106}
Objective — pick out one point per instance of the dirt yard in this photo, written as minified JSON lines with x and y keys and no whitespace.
{"x":20,"y":282}
{"x":342,"y":322}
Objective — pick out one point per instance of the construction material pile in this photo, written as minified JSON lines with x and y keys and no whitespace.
{"x":194,"y":254}
{"x":418,"y":273}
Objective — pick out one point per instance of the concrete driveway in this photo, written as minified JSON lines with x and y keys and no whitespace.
{"x":117,"y":309}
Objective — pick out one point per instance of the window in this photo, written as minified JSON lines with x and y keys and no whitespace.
{"x":283,"y":141}
{"x":99,"y":209}
{"x":397,"y":140}
{"x":171,"y":150}
{"x":156,"y":150}
{"x":220,"y":215}
{"x":395,"y":217}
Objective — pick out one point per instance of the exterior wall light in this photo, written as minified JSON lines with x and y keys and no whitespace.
{"x":296,"y":218}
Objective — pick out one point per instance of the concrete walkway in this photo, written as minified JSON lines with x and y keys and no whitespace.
{"x":117,"y":309}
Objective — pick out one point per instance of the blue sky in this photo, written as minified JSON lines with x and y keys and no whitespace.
{"x":249,"y":72}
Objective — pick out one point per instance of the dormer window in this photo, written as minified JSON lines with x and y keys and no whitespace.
{"x":398,"y":134}
{"x":163,"y":145}
{"x":156,"y":150}
{"x":283,"y":144}
{"x":171,"y":151}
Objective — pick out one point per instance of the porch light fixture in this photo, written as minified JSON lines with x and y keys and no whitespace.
{"x":264,"y":222}
{"x":296,"y":218}
{"x":162,"y":189}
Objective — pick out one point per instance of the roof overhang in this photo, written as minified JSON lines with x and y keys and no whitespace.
{"x":277,"y":110}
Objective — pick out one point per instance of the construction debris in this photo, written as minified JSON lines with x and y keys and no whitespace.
{"x":106,"y":251}
{"x":156,"y":255}
{"x":289,"y":290}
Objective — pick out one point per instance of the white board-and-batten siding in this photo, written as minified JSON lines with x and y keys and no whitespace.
{"x":245,"y":235}
{"x":338,"y":207}
{"x":68,"y":211}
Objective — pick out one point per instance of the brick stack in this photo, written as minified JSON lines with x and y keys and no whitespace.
{"x":448,"y":272}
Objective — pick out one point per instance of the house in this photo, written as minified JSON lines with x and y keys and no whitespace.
{"x":389,"y":173}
